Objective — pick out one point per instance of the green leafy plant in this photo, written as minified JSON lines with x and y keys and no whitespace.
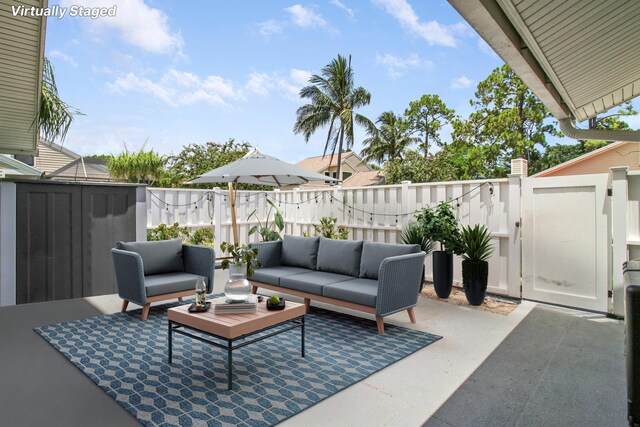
{"x":240,"y":254}
{"x":266,"y":230}
{"x":441,"y":225}
{"x":413,"y":234}
{"x":329,"y":229}
{"x":476,"y":243}
{"x":202,"y":236}
{"x":165,"y":232}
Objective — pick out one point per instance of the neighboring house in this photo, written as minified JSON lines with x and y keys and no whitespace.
{"x":598,"y":161}
{"x":364,"y":179}
{"x":50,"y":157}
{"x":83,"y":169}
{"x":12,"y":168}
{"x":351,"y":164}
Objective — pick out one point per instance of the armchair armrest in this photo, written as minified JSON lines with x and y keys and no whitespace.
{"x":200,"y":260}
{"x":269,"y":253}
{"x":399,"y":281}
{"x":129,"y":276}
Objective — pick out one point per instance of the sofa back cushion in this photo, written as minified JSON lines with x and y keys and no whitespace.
{"x":299,"y":252}
{"x":340,"y":256}
{"x":374,"y":253}
{"x":158,"y":257}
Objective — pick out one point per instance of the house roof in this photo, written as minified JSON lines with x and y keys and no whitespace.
{"x":10,"y":166}
{"x":60,"y":148}
{"x":321,"y":163}
{"x":578,"y":56}
{"x":83,"y":169}
{"x":611,"y":147}
{"x":364,"y":179}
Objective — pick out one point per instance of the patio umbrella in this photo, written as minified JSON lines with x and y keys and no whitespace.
{"x":258,"y":168}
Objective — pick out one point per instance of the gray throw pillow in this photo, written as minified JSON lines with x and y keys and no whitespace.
{"x":340,"y":256}
{"x":374,"y":253}
{"x":299,"y":252}
{"x":158,"y":257}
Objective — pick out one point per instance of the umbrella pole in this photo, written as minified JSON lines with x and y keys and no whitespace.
{"x":234,"y":224}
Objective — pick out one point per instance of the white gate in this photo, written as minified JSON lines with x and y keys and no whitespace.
{"x":566,"y":240}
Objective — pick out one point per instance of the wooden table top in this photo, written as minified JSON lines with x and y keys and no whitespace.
{"x":234,"y":325}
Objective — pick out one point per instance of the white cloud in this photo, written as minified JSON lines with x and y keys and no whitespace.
{"x":180,"y":88}
{"x":462,"y":82}
{"x":270,"y":27}
{"x":344,"y":7}
{"x":305,"y":18}
{"x":136,"y":23}
{"x":396,"y":66}
{"x":66,"y":58}
{"x":433,"y":32}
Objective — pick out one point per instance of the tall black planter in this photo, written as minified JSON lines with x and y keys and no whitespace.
{"x":475,"y":275}
{"x":442,"y":273}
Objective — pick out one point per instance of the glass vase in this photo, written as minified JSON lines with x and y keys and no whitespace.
{"x":238,"y":287}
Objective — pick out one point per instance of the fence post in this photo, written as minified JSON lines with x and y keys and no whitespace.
{"x":619,"y":199}
{"x":296,"y":212}
{"x":8,"y":213}
{"x":217,"y":219}
{"x":406,"y":205}
{"x":514,"y":225}
{"x":141,"y":214}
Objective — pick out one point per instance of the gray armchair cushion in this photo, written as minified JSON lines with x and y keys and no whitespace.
{"x":272,"y":275}
{"x":374,"y":253}
{"x":168,"y":283}
{"x":164,"y":256}
{"x":300,"y":251}
{"x":357,"y":291}
{"x":340,"y":256}
{"x":312,"y":282}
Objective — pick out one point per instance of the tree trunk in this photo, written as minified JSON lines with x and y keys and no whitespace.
{"x":339,"y":170}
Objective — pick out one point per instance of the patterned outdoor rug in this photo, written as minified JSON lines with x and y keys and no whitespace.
{"x":127,"y":358}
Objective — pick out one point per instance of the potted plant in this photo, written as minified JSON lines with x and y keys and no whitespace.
{"x":241,"y":263}
{"x":477,"y":249}
{"x":413,"y":234}
{"x":440,"y":224}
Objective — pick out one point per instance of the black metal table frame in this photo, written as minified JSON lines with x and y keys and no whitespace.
{"x":298,"y":322}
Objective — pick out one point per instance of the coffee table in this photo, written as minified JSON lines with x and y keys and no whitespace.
{"x":230,"y":328}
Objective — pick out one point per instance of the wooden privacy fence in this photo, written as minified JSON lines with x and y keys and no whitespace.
{"x":376,"y":214}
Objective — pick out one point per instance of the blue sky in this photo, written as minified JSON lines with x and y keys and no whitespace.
{"x":179,"y":72}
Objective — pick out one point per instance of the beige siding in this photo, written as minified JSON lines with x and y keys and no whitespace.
{"x":20,"y":75}
{"x":50,"y":159}
{"x":624,"y":155}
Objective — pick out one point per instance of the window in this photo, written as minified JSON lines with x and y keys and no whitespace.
{"x":346,"y":175}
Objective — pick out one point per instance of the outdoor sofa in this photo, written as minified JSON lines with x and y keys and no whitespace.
{"x":147,"y":272}
{"x":376,"y":278}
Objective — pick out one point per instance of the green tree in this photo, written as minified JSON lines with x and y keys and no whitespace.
{"x":197,"y":159}
{"x":426,"y":117}
{"x":415,"y":168}
{"x":141,"y":167}
{"x":54,"y":115}
{"x":333,"y":100}
{"x":389,"y":141}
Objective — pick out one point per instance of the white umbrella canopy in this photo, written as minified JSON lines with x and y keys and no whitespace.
{"x":258,"y":168}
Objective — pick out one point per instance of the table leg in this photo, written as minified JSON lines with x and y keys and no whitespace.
{"x":170,"y":339}
{"x":302,"y":336}
{"x":229,"y":364}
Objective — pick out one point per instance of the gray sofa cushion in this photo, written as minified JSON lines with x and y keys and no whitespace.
{"x":272,"y":275}
{"x":374,"y":253}
{"x":161,"y":284}
{"x":340,"y":256}
{"x":357,"y":291}
{"x":164,"y":256}
{"x":299,"y":251}
{"x":312,"y":282}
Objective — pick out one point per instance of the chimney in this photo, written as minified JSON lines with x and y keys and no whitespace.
{"x":520,"y":167}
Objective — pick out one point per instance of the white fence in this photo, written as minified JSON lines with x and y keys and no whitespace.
{"x":371,"y":213}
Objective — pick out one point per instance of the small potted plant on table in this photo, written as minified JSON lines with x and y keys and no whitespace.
{"x":241,"y":263}
{"x":477,"y":249}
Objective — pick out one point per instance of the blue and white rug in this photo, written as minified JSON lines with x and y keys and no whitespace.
{"x":127,"y":358}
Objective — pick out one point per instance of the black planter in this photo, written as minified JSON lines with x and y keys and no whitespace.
{"x":442,"y":273}
{"x":475,"y":275}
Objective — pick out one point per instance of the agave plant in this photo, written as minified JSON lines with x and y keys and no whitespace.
{"x":413,"y":234}
{"x":476,"y":243}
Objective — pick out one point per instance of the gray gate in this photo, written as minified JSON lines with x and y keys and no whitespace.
{"x":64,"y":234}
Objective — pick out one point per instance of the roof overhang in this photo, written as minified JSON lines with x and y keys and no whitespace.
{"x":11,"y":167}
{"x":21,"y":58}
{"x":580,"y":57}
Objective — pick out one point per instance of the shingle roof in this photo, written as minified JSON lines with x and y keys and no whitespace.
{"x":364,"y":179}
{"x":321,"y":163}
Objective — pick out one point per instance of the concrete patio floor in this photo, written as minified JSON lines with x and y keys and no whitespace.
{"x":40,"y":387}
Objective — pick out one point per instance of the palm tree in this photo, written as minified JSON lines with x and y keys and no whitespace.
{"x":333,"y":100}
{"x":54,"y":116}
{"x":389,"y":141}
